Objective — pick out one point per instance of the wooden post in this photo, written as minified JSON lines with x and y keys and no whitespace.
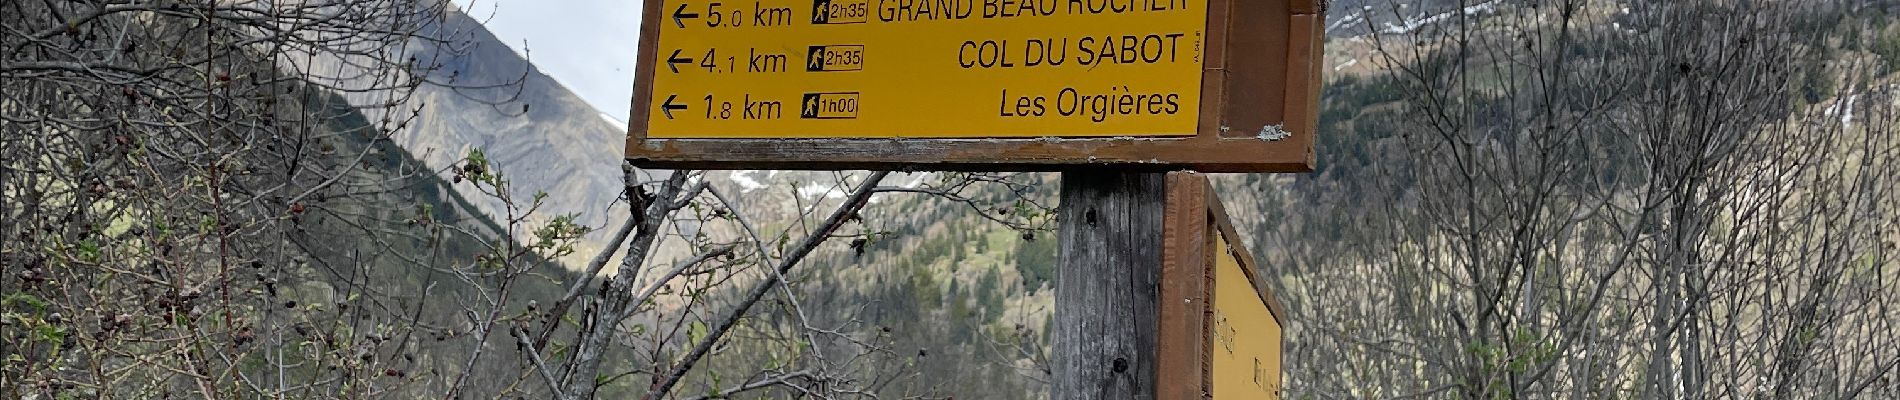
{"x":1181,"y":348}
{"x":1107,"y":280}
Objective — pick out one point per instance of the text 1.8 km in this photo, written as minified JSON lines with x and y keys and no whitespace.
{"x":746,"y":108}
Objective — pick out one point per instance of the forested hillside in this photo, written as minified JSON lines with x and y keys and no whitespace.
{"x":1598,"y":199}
{"x":223,"y":225}
{"x":244,"y":275}
{"x":1548,"y":199}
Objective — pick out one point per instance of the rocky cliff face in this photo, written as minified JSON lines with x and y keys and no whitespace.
{"x":484,"y":96}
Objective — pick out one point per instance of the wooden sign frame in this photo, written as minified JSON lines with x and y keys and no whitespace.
{"x":1259,"y":113}
{"x":1193,"y":220}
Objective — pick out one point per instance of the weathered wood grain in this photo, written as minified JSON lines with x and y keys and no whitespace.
{"x":1201,"y":153}
{"x":1182,"y":343}
{"x":1107,"y":284}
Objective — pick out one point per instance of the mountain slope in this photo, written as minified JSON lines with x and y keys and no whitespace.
{"x":538,"y":133}
{"x":384,"y":272}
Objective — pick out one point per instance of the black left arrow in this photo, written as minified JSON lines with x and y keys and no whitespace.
{"x":681,"y":13}
{"x":674,"y":61}
{"x":667,"y":107}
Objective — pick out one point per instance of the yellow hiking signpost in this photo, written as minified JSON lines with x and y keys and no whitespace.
{"x":1219,"y":327}
{"x":881,"y":68}
{"x":1246,"y":334}
{"x":1153,"y":302}
{"x":1213,"y":85}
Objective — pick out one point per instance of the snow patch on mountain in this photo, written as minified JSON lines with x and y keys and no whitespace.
{"x":616,"y":122}
{"x":1412,"y":24}
{"x":746,"y":182}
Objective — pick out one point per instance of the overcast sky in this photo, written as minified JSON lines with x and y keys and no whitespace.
{"x":588,"y":45}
